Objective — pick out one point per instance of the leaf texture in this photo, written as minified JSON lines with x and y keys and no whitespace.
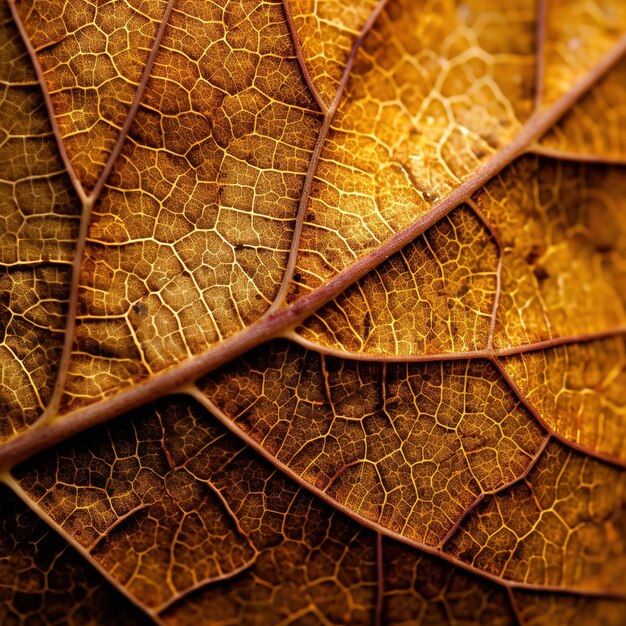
{"x":313,"y":312}
{"x":39,"y":228}
{"x":46,"y":582}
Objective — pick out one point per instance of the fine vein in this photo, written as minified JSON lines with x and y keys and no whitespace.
{"x":276,"y":323}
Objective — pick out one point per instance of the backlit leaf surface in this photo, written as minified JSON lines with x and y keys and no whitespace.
{"x":313,"y":312}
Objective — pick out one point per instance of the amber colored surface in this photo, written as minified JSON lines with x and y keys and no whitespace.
{"x":595,"y":125}
{"x":39,"y":223}
{"x":313,"y":312}
{"x":92,"y":55}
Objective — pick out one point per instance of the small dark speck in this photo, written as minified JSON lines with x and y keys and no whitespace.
{"x":429,"y":195}
{"x":535,"y":253}
{"x":541,"y":273}
{"x":367,"y":324}
{"x":604,"y":248}
{"x":297,"y":277}
{"x":480,"y":152}
{"x":140,"y":308}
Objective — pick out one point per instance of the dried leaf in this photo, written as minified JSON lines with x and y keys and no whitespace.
{"x":313,"y":312}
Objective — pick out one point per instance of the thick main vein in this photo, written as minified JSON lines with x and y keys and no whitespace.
{"x":277,"y":322}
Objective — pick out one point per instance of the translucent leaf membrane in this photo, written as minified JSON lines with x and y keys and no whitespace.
{"x":422,"y":590}
{"x":436,"y":296}
{"x":419,"y":589}
{"x":433,"y":94}
{"x":577,"y":33}
{"x":139,"y":510}
{"x":595,"y":128}
{"x":92,"y":56}
{"x":432,"y":431}
{"x":38,"y":226}
{"x":413,"y":447}
{"x":189,"y":239}
{"x":564,"y":236}
{"x":550,"y":231}
{"x":328,"y":31}
{"x":578,"y":390}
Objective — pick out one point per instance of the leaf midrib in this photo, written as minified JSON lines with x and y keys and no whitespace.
{"x":280,"y":321}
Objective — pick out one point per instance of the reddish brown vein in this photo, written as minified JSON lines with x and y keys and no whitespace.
{"x":195,"y":393}
{"x":304,"y":68}
{"x":118,"y":521}
{"x":329,"y":114}
{"x":205,"y":583}
{"x":340,"y":353}
{"x":484,"y":353}
{"x":611,"y":333}
{"x":500,"y":248}
{"x":276,"y":323}
{"x":515,"y":607}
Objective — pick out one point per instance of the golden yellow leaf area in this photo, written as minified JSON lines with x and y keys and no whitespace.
{"x":576,"y":34}
{"x":578,"y":389}
{"x":433,"y":94}
{"x":434,"y":296}
{"x":38,"y":228}
{"x":594,"y":125}
{"x":92,"y":57}
{"x":327,"y":30}
{"x":313,"y":312}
